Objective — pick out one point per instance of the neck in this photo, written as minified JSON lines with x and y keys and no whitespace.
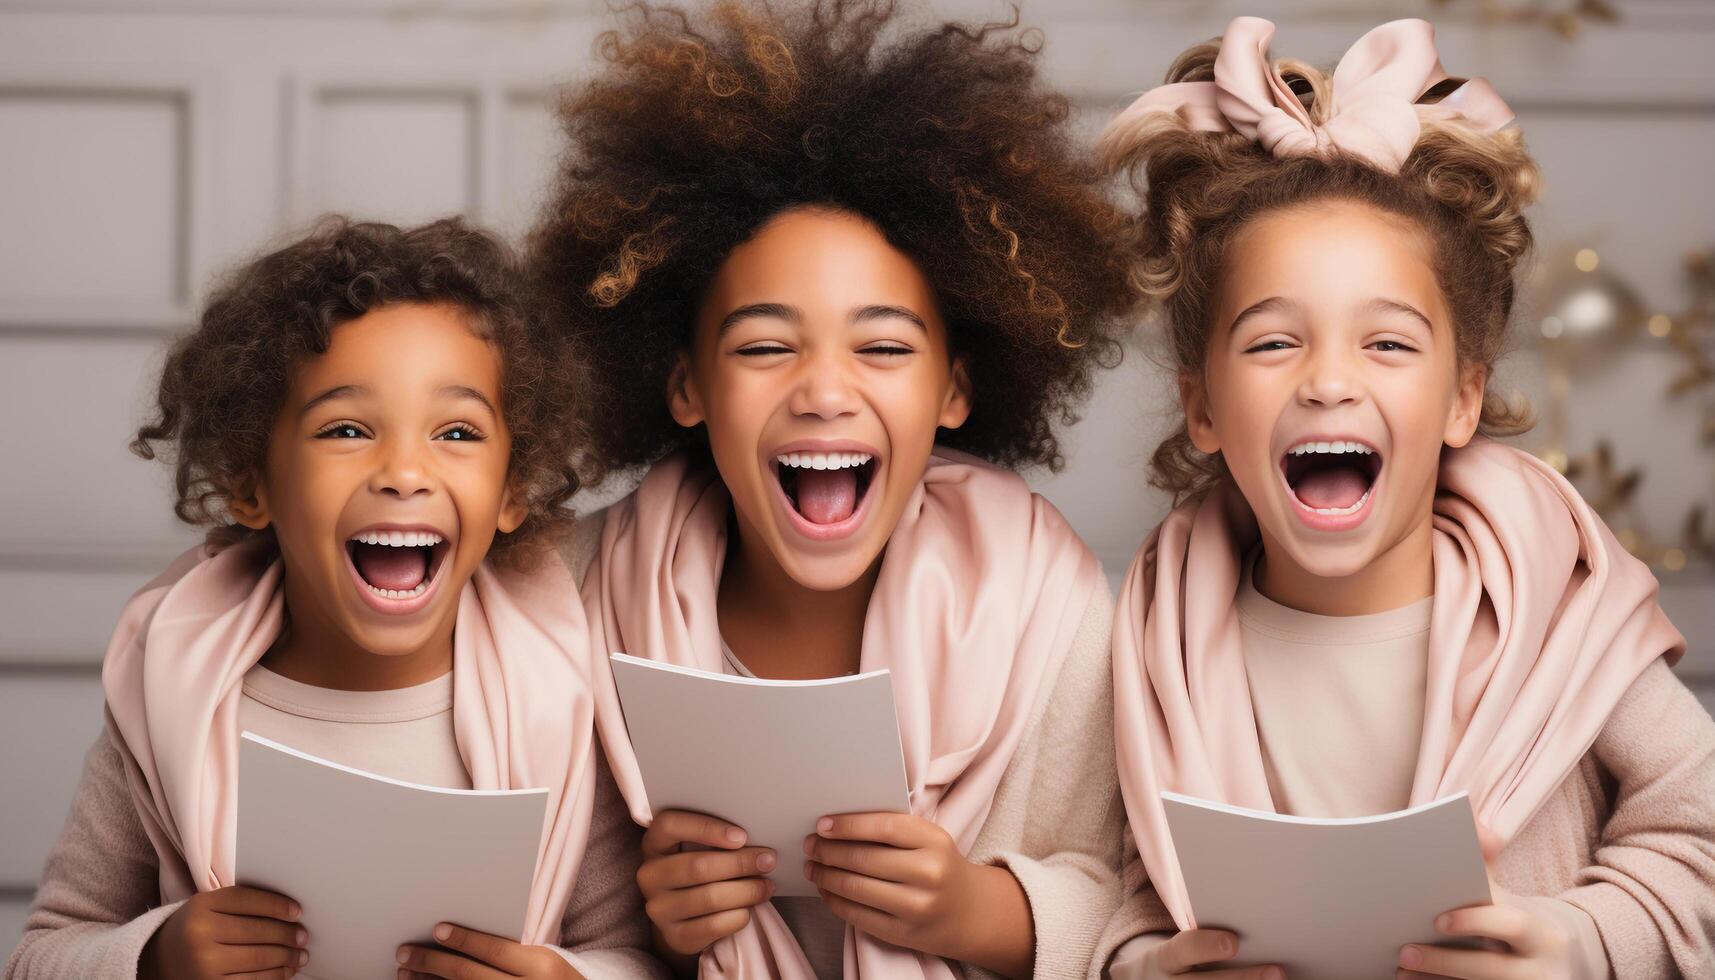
{"x":1397,"y":577}
{"x":313,"y":651}
{"x":780,"y":629}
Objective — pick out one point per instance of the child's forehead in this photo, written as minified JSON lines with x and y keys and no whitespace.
{"x":405,"y":345}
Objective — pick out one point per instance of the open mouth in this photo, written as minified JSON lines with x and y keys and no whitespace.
{"x":396,"y":566}
{"x":1331,"y":479}
{"x":825,"y":489}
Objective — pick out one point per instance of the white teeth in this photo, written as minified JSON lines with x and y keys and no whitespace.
{"x":1343,"y":511}
{"x":823,"y":461}
{"x":399,"y":539}
{"x":1329,"y":447}
{"x":421,"y":588}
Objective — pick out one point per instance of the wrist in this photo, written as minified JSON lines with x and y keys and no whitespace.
{"x":996,"y":932}
{"x":148,"y":960}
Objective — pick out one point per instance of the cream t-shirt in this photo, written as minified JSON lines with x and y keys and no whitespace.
{"x":406,"y":733}
{"x":1338,"y":703}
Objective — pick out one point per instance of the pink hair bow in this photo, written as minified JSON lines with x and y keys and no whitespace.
{"x":1375,"y":113}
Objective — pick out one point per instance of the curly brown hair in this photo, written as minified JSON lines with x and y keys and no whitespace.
{"x":224,"y":383}
{"x":944,"y":139}
{"x":1466,"y":189}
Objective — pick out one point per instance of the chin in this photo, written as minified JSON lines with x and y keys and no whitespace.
{"x":828,"y":572}
{"x":1332,"y":563}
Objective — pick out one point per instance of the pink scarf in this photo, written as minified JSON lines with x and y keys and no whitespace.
{"x":1541,"y":623}
{"x":174,"y":674}
{"x":980,"y":593}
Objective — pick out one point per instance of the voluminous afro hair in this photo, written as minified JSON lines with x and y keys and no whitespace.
{"x":225,"y":382}
{"x":699,"y":132}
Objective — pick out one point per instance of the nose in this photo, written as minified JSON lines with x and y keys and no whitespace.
{"x":824,"y":388}
{"x":1330,"y":379}
{"x":403,"y":471}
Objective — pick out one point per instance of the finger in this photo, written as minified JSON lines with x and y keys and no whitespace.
{"x":252,"y":930}
{"x":1491,"y":843}
{"x":447,"y":965}
{"x":695,"y":935}
{"x":1512,"y":926}
{"x":694,"y":868}
{"x":890,"y":897}
{"x":1468,"y":963}
{"x":493,"y":950}
{"x":865,"y":919}
{"x":1195,"y":947}
{"x":239,"y":900}
{"x":259,"y":959}
{"x":671,"y":828}
{"x":683,"y":904}
{"x":898,"y":829}
{"x":882,"y":861}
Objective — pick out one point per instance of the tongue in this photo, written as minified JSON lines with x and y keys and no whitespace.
{"x":391,"y":568}
{"x":1337,"y":487}
{"x":827,"y":496}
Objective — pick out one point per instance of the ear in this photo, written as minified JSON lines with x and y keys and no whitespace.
{"x":956,"y":407}
{"x":1194,"y":397}
{"x":247,"y":501}
{"x":683,"y":400}
{"x":513,"y":510}
{"x":1467,"y":410}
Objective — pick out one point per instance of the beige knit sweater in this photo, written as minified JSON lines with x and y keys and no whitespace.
{"x":99,"y":900}
{"x":1629,"y":838}
{"x":1058,"y":822}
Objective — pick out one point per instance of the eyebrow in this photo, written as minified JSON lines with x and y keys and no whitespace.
{"x":792,"y":315}
{"x":466,"y":391}
{"x":351,"y":391}
{"x":1382,"y":304}
{"x":779,"y":311}
{"x":342,"y":391}
{"x":883,"y":312}
{"x":1270,"y":305}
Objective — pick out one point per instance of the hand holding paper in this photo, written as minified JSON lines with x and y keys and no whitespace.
{"x":226,"y":931}
{"x":903,"y":880}
{"x":696,"y":896}
{"x":465,"y":954}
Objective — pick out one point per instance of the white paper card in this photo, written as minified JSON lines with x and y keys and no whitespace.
{"x":377,"y":862}
{"x":1334,"y":898}
{"x":770,"y":756}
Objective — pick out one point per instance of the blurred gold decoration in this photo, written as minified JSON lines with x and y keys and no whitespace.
{"x":1691,"y":333}
{"x":1565,"y":17}
{"x":1613,"y":490}
{"x":1592,"y":307}
{"x":1591,"y":310}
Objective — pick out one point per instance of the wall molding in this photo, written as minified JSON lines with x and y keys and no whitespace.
{"x":191,"y":98}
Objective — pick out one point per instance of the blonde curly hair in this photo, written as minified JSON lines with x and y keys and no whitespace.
{"x":1466,"y":188}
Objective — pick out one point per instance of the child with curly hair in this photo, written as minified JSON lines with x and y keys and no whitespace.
{"x":834,"y":289}
{"x":376,"y":425}
{"x":1363,"y":604}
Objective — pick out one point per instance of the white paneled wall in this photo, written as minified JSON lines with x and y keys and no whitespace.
{"x":147,"y":144}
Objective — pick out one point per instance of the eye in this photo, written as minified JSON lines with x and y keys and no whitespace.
{"x":886,"y":350}
{"x":1389,"y":346}
{"x":342,"y":430}
{"x":1267,"y":346}
{"x":762,"y":350}
{"x":460,"y":432}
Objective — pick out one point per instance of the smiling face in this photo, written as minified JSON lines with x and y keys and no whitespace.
{"x":386,"y":479}
{"x":820,"y":365}
{"x":1331,"y":384}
